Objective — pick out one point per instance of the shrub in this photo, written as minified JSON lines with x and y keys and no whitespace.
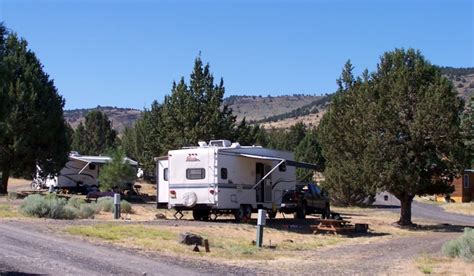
{"x":35,"y":205}
{"x":70,"y":212}
{"x":117,"y":174}
{"x":87,"y":210}
{"x":461,"y":247}
{"x":125,"y":207}
{"x":76,"y":202}
{"x":56,"y":208}
{"x":105,"y":204}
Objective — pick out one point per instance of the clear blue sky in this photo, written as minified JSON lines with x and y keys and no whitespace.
{"x":127,"y":53}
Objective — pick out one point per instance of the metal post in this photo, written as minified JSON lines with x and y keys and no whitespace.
{"x":262,"y":215}
{"x":117,"y":206}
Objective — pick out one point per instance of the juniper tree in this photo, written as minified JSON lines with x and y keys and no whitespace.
{"x":32,"y":128}
{"x":397,"y":129}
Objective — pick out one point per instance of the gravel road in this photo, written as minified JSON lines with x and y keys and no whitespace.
{"x":425,"y":211}
{"x":387,"y":257}
{"x":28,"y":248}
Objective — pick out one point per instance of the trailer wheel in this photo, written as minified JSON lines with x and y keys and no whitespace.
{"x":239,"y":214}
{"x":201,"y":215}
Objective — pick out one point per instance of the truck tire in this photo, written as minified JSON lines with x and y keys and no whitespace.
{"x":272,"y":214}
{"x":301,"y":211}
{"x":326,"y":213}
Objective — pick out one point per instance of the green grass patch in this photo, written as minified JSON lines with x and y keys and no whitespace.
{"x":7,"y":211}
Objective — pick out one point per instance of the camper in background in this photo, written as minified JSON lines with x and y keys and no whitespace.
{"x":80,"y":174}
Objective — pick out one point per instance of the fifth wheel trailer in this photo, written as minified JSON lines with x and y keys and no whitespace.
{"x":225,"y":177}
{"x":80,"y":172}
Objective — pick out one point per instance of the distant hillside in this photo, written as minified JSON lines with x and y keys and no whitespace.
{"x":462,"y":78}
{"x":120,"y":117}
{"x":277,"y":112}
{"x":256,"y":108}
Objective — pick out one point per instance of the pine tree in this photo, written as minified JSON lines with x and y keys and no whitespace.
{"x":344,"y":143}
{"x":196,"y":112}
{"x":95,"y":136}
{"x":32,"y":128}
{"x":309,"y":151}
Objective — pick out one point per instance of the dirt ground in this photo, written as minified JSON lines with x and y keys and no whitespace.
{"x":385,"y":250}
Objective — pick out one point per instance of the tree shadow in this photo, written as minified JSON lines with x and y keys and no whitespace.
{"x":440,"y":228}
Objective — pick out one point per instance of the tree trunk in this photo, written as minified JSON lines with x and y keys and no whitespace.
{"x":405,"y":215}
{"x":4,"y":182}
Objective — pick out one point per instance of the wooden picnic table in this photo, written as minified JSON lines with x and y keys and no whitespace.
{"x":335,"y":226}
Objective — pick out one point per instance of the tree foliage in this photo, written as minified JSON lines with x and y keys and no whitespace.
{"x":397,"y":129}
{"x":195,"y":111}
{"x":32,"y":127}
{"x":96,"y":136}
{"x":309,"y":151}
{"x":118,"y":174}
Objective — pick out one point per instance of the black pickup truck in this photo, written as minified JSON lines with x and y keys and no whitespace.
{"x":308,"y":199}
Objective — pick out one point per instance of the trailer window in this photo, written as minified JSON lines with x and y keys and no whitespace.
{"x":165,"y":174}
{"x":466,"y":181}
{"x":195,"y":173}
{"x":224,"y":173}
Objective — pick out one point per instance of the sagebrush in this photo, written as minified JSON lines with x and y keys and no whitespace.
{"x":462,"y":247}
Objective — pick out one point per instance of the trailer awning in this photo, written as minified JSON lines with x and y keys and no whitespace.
{"x":101,"y":159}
{"x":291,"y":163}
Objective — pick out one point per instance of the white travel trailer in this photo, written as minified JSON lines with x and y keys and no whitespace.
{"x":80,"y":172}
{"x":225,"y":177}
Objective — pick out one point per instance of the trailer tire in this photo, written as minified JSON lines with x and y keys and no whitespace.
{"x":248,"y":212}
{"x":201,"y":215}
{"x":240,"y":214}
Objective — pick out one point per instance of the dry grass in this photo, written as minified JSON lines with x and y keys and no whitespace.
{"x":8,"y":211}
{"x":15,"y":182}
{"x":460,"y":208}
{"x":229,"y":243}
{"x":439,"y":266}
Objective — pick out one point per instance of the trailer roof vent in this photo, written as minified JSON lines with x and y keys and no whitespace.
{"x":202,"y":144}
{"x":220,"y":143}
{"x":235,"y":145}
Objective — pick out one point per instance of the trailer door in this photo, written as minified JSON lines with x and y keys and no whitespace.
{"x":162,"y":178}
